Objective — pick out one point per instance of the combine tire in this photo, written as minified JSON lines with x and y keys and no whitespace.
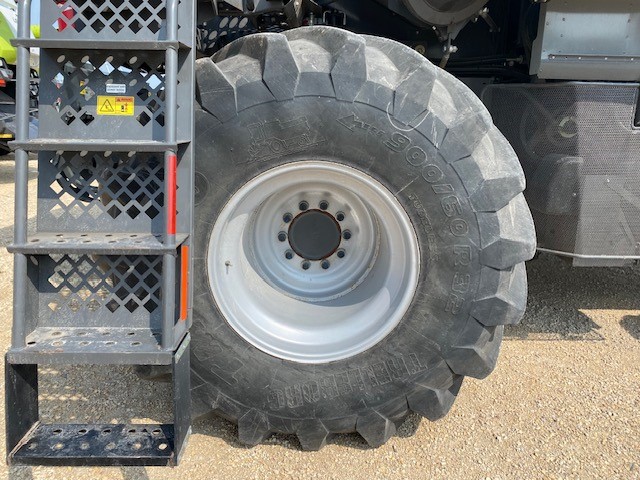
{"x":360,"y":233}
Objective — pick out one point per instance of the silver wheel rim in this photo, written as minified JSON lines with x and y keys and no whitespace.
{"x":313,"y":310}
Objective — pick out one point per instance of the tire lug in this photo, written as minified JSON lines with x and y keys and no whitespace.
{"x":346,"y":235}
{"x":282,"y":236}
{"x":287,"y":217}
{"x":340,"y":216}
{"x":288,"y":254}
{"x":325,"y":265}
{"x":324,"y":205}
{"x":306,"y":265}
{"x":341,"y":253}
{"x":303,"y":206}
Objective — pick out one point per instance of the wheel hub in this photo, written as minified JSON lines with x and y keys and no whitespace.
{"x":313,"y":262}
{"x":314,"y":235}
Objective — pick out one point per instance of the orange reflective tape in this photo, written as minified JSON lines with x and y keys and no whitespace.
{"x":184,"y":283}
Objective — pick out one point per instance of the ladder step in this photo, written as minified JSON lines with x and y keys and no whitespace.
{"x":95,"y":44}
{"x":96,"y":445}
{"x":43,"y":243}
{"x":92,"y":346}
{"x":97,"y":145}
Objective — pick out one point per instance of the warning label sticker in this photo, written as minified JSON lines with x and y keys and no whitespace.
{"x":108,"y":105}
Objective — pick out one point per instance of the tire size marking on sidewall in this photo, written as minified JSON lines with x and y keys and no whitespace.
{"x":450,"y":203}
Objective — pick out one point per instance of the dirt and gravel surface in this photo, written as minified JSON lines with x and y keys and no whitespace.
{"x":564,"y":401}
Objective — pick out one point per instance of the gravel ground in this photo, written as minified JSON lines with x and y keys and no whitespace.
{"x":564,"y":401}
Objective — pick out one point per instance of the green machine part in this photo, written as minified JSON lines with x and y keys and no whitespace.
{"x":7,"y":51}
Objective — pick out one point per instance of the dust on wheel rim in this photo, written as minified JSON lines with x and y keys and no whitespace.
{"x":311,"y":310}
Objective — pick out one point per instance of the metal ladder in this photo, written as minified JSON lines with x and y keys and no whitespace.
{"x":105,"y":278}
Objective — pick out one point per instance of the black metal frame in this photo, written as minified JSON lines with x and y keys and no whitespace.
{"x":30,"y":442}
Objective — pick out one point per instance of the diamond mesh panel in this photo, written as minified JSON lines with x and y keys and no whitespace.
{"x":111,"y":19}
{"x":89,"y":191}
{"x":91,"y":291}
{"x":69,"y":110}
{"x":588,"y":204}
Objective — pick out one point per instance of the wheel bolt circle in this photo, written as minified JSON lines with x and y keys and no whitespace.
{"x":304,"y":206}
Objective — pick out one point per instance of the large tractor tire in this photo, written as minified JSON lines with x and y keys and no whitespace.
{"x":360,"y":233}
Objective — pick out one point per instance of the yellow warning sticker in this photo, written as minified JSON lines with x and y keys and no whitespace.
{"x":108,"y":105}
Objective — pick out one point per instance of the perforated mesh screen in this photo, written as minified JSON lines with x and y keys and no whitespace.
{"x":98,"y":290}
{"x":90,"y":191}
{"x":71,"y":109}
{"x":589,"y":204}
{"x":112,"y":18}
{"x":222,"y":30}
{"x":120,"y":20}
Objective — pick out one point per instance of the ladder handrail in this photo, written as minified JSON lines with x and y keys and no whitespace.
{"x":18,"y":336}
{"x":170,"y":167}
{"x":23,"y":78}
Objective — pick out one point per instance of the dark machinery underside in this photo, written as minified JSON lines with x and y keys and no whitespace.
{"x":467,"y":36}
{"x":560,"y":79}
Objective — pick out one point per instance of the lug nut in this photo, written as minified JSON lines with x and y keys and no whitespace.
{"x":287,"y":217}
{"x":325,"y":265}
{"x":282,"y":236}
{"x":288,"y":254}
{"x":306,"y":265}
{"x":324,"y":205}
{"x":340,"y":216}
{"x":346,"y":235}
{"x":303,"y":206}
{"x":341,"y":253}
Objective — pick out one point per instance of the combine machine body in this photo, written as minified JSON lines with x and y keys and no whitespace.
{"x":288,"y":209}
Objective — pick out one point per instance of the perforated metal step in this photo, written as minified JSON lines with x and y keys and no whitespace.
{"x":108,"y":346}
{"x":78,"y":145}
{"x":97,"y":243}
{"x":102,"y":44}
{"x":96,"y":445}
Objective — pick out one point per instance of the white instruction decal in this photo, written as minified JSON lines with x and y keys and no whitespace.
{"x":116,"y":88}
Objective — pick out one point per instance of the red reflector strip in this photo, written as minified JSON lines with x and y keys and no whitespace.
{"x":171,"y":194}
{"x":3,"y":82}
{"x":184,"y":283}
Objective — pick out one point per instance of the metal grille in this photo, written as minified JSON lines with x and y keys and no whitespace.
{"x":85,"y":290}
{"x":114,"y":19}
{"x":581,"y":154}
{"x":100,"y":192}
{"x":70,"y":109}
{"x":222,"y":30}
